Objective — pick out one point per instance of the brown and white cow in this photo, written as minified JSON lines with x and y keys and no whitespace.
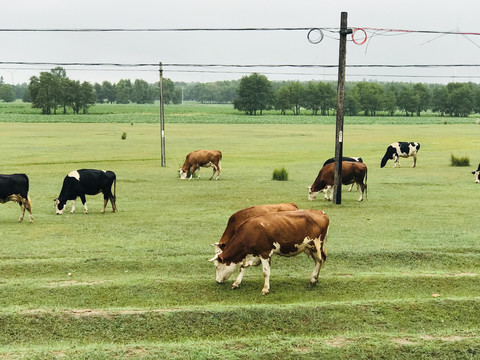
{"x":15,"y":188}
{"x":285,"y":233}
{"x":352,"y":172}
{"x":240,"y":216}
{"x":201,"y":158}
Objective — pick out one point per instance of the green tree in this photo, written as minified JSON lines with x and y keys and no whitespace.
{"x":297,"y":91}
{"x":439,"y":100}
{"x":43,"y":91}
{"x":254,"y":94}
{"x":142,"y":92}
{"x":390,"y":100}
{"x":123,"y":90}
{"x":460,"y":99}
{"x":408,"y":100}
{"x":109,"y":92}
{"x":88,"y":96}
{"x":370,"y":97}
{"x":7,"y":93}
{"x":423,"y":94}
{"x":282,"y":100}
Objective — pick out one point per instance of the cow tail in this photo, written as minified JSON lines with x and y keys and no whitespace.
{"x":115,"y":189}
{"x":366,"y":187}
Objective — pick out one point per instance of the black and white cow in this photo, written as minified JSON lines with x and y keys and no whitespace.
{"x":87,"y":182}
{"x":477,"y":174}
{"x":15,"y":188}
{"x":401,"y":149}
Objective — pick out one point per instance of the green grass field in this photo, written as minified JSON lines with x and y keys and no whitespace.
{"x":401,"y":279}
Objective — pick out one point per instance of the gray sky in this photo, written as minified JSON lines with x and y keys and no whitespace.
{"x":279,"y":47}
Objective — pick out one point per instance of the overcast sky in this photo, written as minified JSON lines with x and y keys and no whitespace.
{"x":227,"y":47}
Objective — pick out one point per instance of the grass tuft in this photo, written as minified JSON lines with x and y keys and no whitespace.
{"x":280,"y":174}
{"x":459,"y":161}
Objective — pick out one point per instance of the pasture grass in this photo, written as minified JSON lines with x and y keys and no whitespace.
{"x":401,"y":279}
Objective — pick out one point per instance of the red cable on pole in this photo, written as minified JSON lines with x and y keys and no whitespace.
{"x":359,"y":42}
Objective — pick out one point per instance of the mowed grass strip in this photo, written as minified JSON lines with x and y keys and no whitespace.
{"x":351,"y":330}
{"x":413,"y":237}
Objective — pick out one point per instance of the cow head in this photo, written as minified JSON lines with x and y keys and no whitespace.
{"x":59,"y":206}
{"x":312,"y":195}
{"x":477,"y":175}
{"x":183,"y":174}
{"x":222,"y":270}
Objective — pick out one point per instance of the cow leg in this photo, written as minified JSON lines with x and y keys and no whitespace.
{"x":112,"y":202}
{"x":84,"y":202}
{"x":266,"y":275}
{"x":239,"y":278}
{"x":73,"y":206}
{"x":327,"y":188}
{"x":319,"y":257}
{"x":219,"y":169}
{"x":22,"y":209}
{"x":350,"y":188}
{"x":214,"y":171}
{"x":27,"y":204}
{"x":105,"y":202}
{"x":362,"y":189}
{"x":414,"y":160}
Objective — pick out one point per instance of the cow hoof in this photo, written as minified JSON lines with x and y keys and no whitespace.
{"x":264,"y":292}
{"x":234,"y":286}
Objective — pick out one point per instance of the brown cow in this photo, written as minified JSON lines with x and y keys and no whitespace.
{"x":352,"y":172}
{"x":201,"y":158}
{"x":285,"y":233}
{"x":240,"y":216}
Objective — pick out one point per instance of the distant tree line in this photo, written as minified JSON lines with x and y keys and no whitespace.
{"x":53,"y":91}
{"x":252,"y":95}
{"x":256,"y":93}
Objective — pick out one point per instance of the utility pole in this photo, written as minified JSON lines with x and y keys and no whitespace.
{"x":337,"y":189}
{"x":162,"y":116}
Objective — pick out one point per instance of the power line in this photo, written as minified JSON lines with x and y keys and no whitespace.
{"x":191,"y":65}
{"x":239,"y":29}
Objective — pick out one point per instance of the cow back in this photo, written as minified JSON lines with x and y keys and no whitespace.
{"x":240,"y":216}
{"x":281,"y":231}
{"x":201,"y":157}
{"x":14,"y":184}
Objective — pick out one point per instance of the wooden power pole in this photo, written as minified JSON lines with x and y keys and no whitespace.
{"x":337,"y":190}
{"x":162,"y":117}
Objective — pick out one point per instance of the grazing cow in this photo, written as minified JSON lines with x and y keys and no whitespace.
{"x":401,"y":149}
{"x":477,"y":174}
{"x":345,"y":158}
{"x":352,"y":172}
{"x":240,"y":216}
{"x":87,"y":182}
{"x":201,"y":158}
{"x":15,"y":188}
{"x":285,"y":233}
